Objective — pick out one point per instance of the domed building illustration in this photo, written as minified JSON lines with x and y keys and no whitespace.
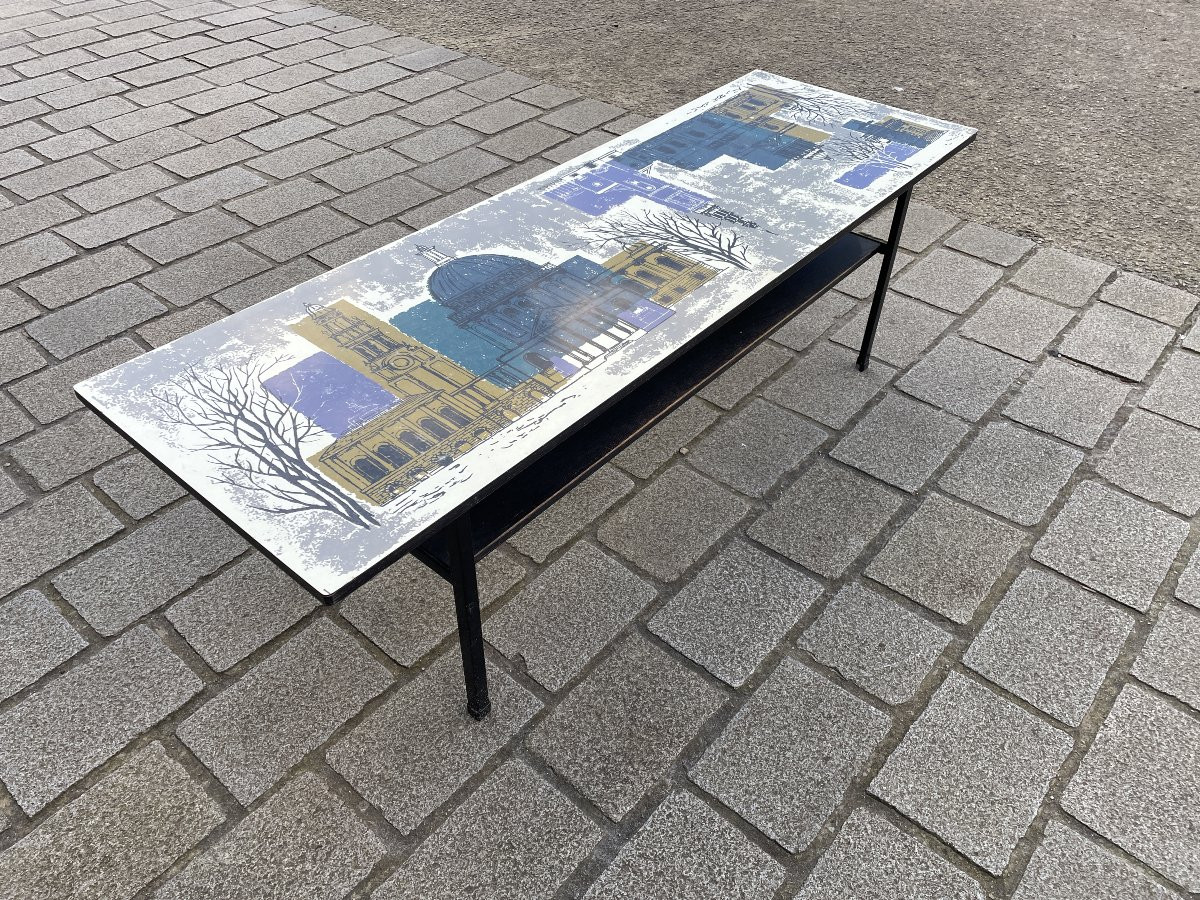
{"x":498,"y":336}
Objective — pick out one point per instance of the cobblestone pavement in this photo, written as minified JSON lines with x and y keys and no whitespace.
{"x":928,"y":631}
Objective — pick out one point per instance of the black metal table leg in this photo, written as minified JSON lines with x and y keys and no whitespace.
{"x":470,"y":624}
{"x":885,"y":275}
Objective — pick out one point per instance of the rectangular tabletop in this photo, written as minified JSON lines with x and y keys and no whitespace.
{"x":341,"y":421}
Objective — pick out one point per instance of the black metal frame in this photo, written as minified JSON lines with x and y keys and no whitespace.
{"x":454,"y":551}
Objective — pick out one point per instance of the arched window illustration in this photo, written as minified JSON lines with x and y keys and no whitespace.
{"x":537,"y":360}
{"x":369,"y":469}
{"x":394,"y":455}
{"x":434,"y":427}
{"x":414,"y":441}
{"x":668,"y":263}
{"x":451,"y":414}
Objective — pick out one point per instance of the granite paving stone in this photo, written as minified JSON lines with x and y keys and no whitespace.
{"x":147,"y":567}
{"x":362,"y":169}
{"x":644,"y":456}
{"x":923,"y":225}
{"x":577,"y":146}
{"x":274,"y":280}
{"x":558,"y":524}
{"x":1068,"y":401}
{"x":19,"y":356}
{"x":872,"y":859}
{"x":672,"y":522}
{"x":825,"y":385}
{"x":1170,"y":658}
{"x":372,"y":133}
{"x":1191,"y":340}
{"x":409,"y":755}
{"x":150,"y":147}
{"x":814,"y":320}
{"x":365,"y":79}
{"x":1149,"y":298}
{"x":961,"y":377}
{"x":1050,"y":643}
{"x":436,"y":210}
{"x":989,"y":243}
{"x":62,"y":146}
{"x":243,"y":608}
{"x":619,"y":730}
{"x":495,"y":86}
{"x":137,"y":485}
{"x":946,"y":557}
{"x":199,"y":193}
{"x":1188,"y":587}
{"x":547,"y":96}
{"x":1012,"y":472}
{"x":745,"y":375}
{"x":116,"y":223}
{"x":305,"y":841}
{"x":208,"y":157}
{"x":205,"y":273}
{"x":948,"y":280}
{"x":141,"y":121}
{"x":906,"y":329}
{"x":11,"y":493}
{"x":251,"y":733}
{"x":120,"y":187}
{"x":433,"y":143}
{"x":299,"y":234}
{"x":785,"y":760}
{"x":582,"y":115}
{"x":973,"y":769}
{"x":901,"y":441}
{"x":1062,"y":276}
{"x":861,"y":283}
{"x":25,"y":219}
{"x":1114,"y":544}
{"x":686,"y":850}
{"x":407,"y":609}
{"x":418,"y":87}
{"x":13,"y":422}
{"x":1175,"y":391}
{"x":459,"y":169}
{"x":187,"y":235}
{"x":498,"y":116}
{"x":826,"y":519}
{"x":56,"y":735}
{"x":14,"y":162}
{"x":34,"y":638}
{"x":359,"y":243}
{"x":735,"y":611}
{"x":88,"y":322}
{"x":67,"y":449}
{"x":175,"y":325}
{"x":1069,"y":866}
{"x":1117,"y":341}
{"x":50,"y":531}
{"x":515,"y":836}
{"x":754,"y":448}
{"x":1017,"y":323}
{"x":112,"y":841}
{"x":1156,"y":458}
{"x":567,"y":614}
{"x":280,"y":200}
{"x":875,"y":642}
{"x":1138,"y":784}
{"x":32,"y":255}
{"x":526,"y":140}
{"x":383,"y":199}
{"x":514,"y":175}
{"x":227,"y":123}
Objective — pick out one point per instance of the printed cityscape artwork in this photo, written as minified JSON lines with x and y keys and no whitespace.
{"x":338,"y":420}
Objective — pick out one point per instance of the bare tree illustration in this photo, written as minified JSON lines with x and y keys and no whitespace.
{"x":820,"y":110}
{"x":674,"y":232}
{"x":858,"y":149}
{"x":255,"y":439}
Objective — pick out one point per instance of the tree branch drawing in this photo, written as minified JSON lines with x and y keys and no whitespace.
{"x":820,"y":110}
{"x":673,"y":232}
{"x":255,"y":439}
{"x":859,"y":149}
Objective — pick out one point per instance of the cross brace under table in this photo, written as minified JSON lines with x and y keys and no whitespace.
{"x":454,"y":551}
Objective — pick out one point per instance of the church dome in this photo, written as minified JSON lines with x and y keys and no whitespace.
{"x":451,"y":280}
